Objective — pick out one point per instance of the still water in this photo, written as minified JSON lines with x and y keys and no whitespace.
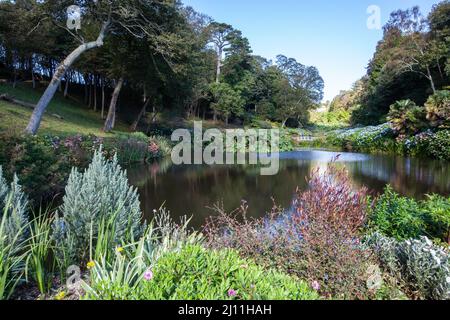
{"x":193,"y":190}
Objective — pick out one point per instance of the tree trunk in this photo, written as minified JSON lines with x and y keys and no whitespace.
{"x":140,"y":115}
{"x":103,"y":99}
{"x":33,"y":80}
{"x":430,"y":77}
{"x":95,"y":93}
{"x":110,"y":119}
{"x":38,"y":112}
{"x":15,"y":78}
{"x":219,"y":64}
{"x":66,"y":89}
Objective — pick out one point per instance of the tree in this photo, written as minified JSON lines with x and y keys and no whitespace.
{"x":221,"y":36}
{"x":298,"y":88}
{"x":227,"y":101}
{"x":134,"y":17}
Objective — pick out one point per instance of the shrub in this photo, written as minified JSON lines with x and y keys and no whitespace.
{"x":14,"y":205}
{"x":438,"y":109}
{"x":317,"y":239}
{"x":42,"y":168}
{"x":439,"y":146}
{"x":422,"y":266}
{"x":406,"y":117}
{"x":367,"y":139}
{"x":397,"y":216}
{"x":329,"y":217}
{"x":13,"y":235}
{"x":438,"y":210}
{"x":404,"y":218}
{"x":196,"y":273}
{"x":100,"y":199}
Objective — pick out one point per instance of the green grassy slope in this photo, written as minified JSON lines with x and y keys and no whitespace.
{"x":63,"y":116}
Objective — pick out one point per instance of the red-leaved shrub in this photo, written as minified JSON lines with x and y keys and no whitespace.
{"x":316,"y":239}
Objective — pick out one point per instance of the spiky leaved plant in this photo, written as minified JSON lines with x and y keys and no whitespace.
{"x":99,"y":196}
{"x":13,"y":235}
{"x":14,"y":201}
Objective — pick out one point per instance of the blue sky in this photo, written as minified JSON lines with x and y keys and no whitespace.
{"x":329,"y":34}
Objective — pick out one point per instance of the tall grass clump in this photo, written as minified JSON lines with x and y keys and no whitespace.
{"x":13,"y":235}
{"x":40,"y":263}
{"x":99,"y":206}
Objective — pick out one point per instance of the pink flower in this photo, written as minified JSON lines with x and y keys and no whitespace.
{"x":316,"y":285}
{"x":148,"y":275}
{"x":232,"y":293}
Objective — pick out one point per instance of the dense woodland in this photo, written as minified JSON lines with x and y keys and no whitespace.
{"x":412,"y":61}
{"x":159,"y":56}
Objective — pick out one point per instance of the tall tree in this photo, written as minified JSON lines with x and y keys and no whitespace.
{"x":133,"y":16}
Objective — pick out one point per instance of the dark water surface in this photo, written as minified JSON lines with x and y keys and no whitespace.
{"x":193,"y":189}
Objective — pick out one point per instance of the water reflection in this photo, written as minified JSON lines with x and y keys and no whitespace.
{"x":191,"y":190}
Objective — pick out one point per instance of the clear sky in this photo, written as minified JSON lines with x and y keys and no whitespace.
{"x":329,"y":34}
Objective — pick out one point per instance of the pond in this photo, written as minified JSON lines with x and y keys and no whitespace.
{"x":193,"y":190}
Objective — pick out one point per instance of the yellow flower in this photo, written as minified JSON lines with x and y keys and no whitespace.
{"x":60,"y":296}
{"x":119,"y":249}
{"x":90,"y":265}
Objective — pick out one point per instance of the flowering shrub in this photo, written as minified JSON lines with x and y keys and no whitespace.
{"x":366,"y":139}
{"x":196,"y":273}
{"x":44,"y":162}
{"x":439,"y":146}
{"x":422,"y":266}
{"x":318,"y":239}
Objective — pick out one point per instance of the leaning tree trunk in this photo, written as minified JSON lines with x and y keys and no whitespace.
{"x":430,"y":77}
{"x":110,"y":119}
{"x":140,"y":115}
{"x":38,"y":112}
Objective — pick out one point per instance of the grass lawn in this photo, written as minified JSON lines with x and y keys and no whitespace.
{"x":62,"y":117}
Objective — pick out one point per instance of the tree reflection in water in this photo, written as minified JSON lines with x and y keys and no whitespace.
{"x":192,"y":189}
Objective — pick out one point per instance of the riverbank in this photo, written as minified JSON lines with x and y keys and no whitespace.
{"x":284,"y":255}
{"x":432,"y":144}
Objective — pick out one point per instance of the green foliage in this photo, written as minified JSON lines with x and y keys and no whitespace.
{"x":438,"y":210}
{"x":406,"y":117}
{"x":422,"y":267}
{"x":365,"y":139}
{"x":39,"y":262}
{"x":196,"y":273}
{"x":397,"y":216}
{"x":438,"y":109}
{"x":98,"y":197}
{"x":439,"y":146}
{"x":14,"y":201}
{"x":13,"y":236}
{"x":42,"y":168}
{"x":405,"y":218}
{"x":227,"y":101}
